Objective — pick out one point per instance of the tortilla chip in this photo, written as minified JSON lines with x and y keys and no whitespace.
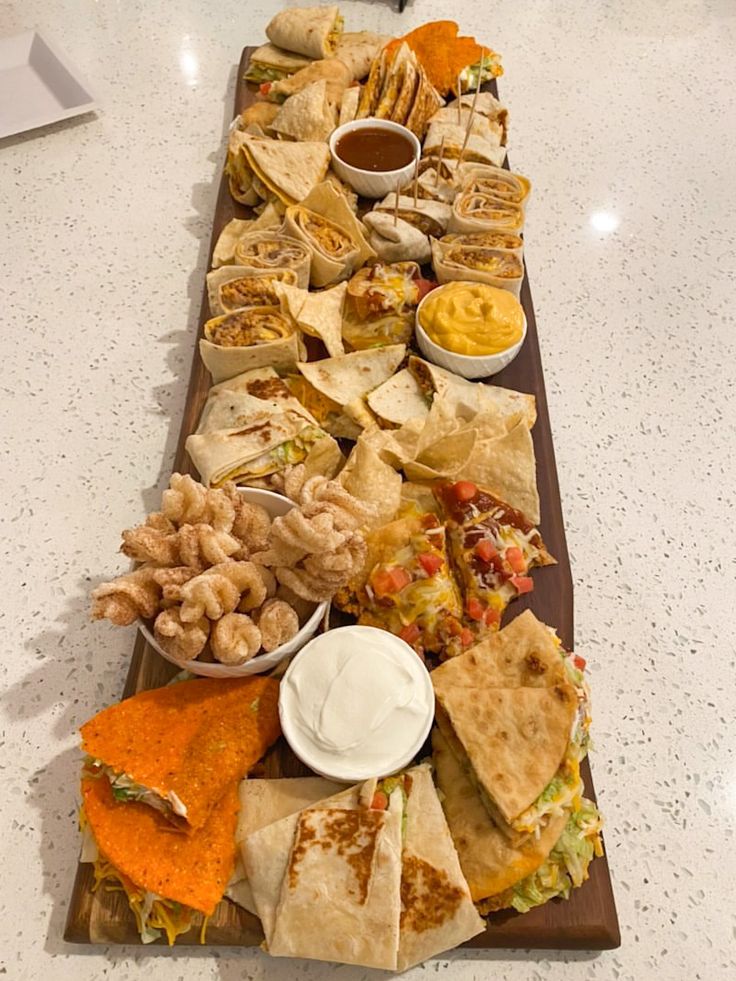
{"x":398,"y":399}
{"x":351,"y":376}
{"x":288,"y":170}
{"x":369,"y":478}
{"x":222,"y":729}
{"x":138,"y":841}
{"x":506,"y":466}
{"x":307,"y":115}
{"x":318,"y":313}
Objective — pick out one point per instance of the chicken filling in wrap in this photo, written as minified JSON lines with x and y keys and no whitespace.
{"x":244,"y":328}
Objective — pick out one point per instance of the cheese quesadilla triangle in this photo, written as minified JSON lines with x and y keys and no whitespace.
{"x":288,"y":170}
{"x":307,"y":115}
{"x":233,"y":722}
{"x":348,"y":377}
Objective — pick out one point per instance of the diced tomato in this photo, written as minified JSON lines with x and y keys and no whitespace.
{"x":430,"y":521}
{"x":410,"y":633}
{"x":485,"y":549}
{"x":515,"y":558}
{"x":455,"y":627}
{"x":424,"y":286}
{"x":265,"y":87}
{"x":475,"y":608}
{"x":430,"y":563}
{"x":380,"y":801}
{"x":579,"y":662}
{"x":523,"y":584}
{"x":466,"y":637}
{"x":491,"y":617}
{"x":387,"y":581}
{"x":465,"y":490}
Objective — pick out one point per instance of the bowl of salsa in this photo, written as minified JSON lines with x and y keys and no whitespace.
{"x":374,"y":156}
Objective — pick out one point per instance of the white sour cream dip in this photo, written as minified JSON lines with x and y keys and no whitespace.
{"x":356,"y":702}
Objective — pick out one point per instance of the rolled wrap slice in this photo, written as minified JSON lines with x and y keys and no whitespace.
{"x":255,"y":337}
{"x":479,"y":265}
{"x":500,"y":241}
{"x":231,"y":288}
{"x":275,"y":250}
{"x":478,"y":149}
{"x":500,"y":183}
{"x":430,"y":217}
{"x":476,"y":211}
{"x":310,"y":31}
{"x":334,"y":252}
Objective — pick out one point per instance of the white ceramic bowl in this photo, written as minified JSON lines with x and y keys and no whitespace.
{"x":373,"y":183}
{"x":466,"y":365}
{"x":337,"y":765}
{"x":276,"y":505}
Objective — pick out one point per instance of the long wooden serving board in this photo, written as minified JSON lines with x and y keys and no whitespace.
{"x":587,"y":921}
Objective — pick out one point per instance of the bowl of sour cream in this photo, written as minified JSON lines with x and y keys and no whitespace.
{"x":356,"y":702}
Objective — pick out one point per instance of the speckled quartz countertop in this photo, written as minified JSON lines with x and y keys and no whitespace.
{"x":623,"y":115}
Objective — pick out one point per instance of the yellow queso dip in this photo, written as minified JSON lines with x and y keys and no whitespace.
{"x":472,"y":318}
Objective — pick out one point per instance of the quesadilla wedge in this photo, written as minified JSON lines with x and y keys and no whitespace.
{"x":406,"y":586}
{"x":493,"y":547}
{"x":310,"y":31}
{"x":308,"y":115}
{"x":287,"y":170}
{"x":170,"y":880}
{"x":222,"y":729}
{"x":269,"y":63}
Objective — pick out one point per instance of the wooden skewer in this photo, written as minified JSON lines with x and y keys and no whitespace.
{"x":439,"y":162}
{"x":472,"y":109}
{"x":416,"y":181}
{"x":396,"y":205}
{"x":459,"y":101}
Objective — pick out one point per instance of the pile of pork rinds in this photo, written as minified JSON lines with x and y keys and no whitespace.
{"x":218,"y":575}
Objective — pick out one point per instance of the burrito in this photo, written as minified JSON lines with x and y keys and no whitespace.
{"x":475,"y":210}
{"x":380,"y":305}
{"x":456,"y":261}
{"x":250,"y":338}
{"x":252,"y":427}
{"x":234,"y":287}
{"x":478,"y":149}
{"x":270,"y":64}
{"x":308,"y":115}
{"x":430,"y":217}
{"x":396,"y":241}
{"x":498,"y":182}
{"x":274,"y":250}
{"x":334,"y":252}
{"x":336,"y":74}
{"x":358,"y":49}
{"x":310,"y":31}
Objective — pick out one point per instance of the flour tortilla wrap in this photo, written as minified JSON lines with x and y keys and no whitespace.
{"x":335,"y":253}
{"x":478,"y":149}
{"x":308,"y":115}
{"x":514,"y":741}
{"x":274,"y":250}
{"x":309,"y":31}
{"x":393,"y":81}
{"x":396,"y":242}
{"x":253,"y":337}
{"x":498,"y":241}
{"x":213,"y":718}
{"x":399,"y":399}
{"x":490,"y":130}
{"x":469,"y":397}
{"x":335,"y":72}
{"x":371,"y":91}
{"x":466,"y":263}
{"x":437,"y":908}
{"x":269,"y":63}
{"x":238,"y":169}
{"x":234,"y":287}
{"x":429,"y":217}
{"x":349,"y":105}
{"x":352,"y":376}
{"x":237,"y":228}
{"x":407,"y":92}
{"x":288,"y":170}
{"x":357,"y":49}
{"x":262,"y":802}
{"x":491,"y":863}
{"x":486,"y":105}
{"x":474,"y":210}
{"x":498,"y":183}
{"x":317,"y":313}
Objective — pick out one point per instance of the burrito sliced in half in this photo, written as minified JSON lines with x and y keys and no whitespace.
{"x":457,"y":261}
{"x":309,"y":31}
{"x":484,"y":149}
{"x":498,"y":241}
{"x":252,"y":427}
{"x":253,"y":337}
{"x":271,"y":250}
{"x":269,"y":63}
{"x":429,"y":217}
{"x":487,"y":105}
{"x":498,"y":183}
{"x":234,"y":287}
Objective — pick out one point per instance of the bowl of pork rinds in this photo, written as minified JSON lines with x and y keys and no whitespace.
{"x":232,"y":580}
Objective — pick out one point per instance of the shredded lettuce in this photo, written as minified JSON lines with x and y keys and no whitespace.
{"x":566,"y":866}
{"x":264,"y":73}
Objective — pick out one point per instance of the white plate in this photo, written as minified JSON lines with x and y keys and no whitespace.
{"x":38,"y":85}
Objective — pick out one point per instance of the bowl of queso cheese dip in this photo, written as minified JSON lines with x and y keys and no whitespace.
{"x":472,"y":329}
{"x":356,"y":702}
{"x":374,"y":156}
